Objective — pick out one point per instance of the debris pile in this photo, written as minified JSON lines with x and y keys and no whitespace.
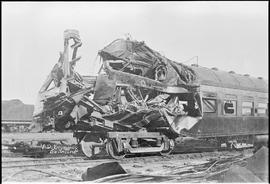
{"x":137,"y":90}
{"x":137,"y":58}
{"x":136,"y":86}
{"x":62,"y":89}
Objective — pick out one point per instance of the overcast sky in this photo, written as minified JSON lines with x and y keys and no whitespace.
{"x":226,"y":35}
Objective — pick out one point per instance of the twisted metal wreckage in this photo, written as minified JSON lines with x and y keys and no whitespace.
{"x":139,"y":102}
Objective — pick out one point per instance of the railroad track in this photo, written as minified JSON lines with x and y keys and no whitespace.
{"x":48,"y":161}
{"x":43,"y":159}
{"x":6,"y":164}
{"x":213,"y":164}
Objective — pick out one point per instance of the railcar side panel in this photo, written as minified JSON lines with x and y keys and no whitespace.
{"x":229,"y":126}
{"x":241,"y":122}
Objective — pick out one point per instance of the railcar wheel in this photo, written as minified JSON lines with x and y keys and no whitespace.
{"x":111,"y":149}
{"x":88,"y":147}
{"x":170,"y":149}
{"x":89,"y":150}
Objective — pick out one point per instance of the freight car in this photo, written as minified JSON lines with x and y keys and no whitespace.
{"x":11,"y":126}
{"x":141,"y":101}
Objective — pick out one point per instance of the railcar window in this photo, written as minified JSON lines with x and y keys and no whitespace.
{"x":209,"y":105}
{"x":262,"y":109}
{"x":262,"y":105}
{"x":230,"y":107}
{"x":247,"y":108}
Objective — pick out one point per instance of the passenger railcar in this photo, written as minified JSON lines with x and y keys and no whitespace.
{"x":235,"y":107}
{"x":234,"y":112}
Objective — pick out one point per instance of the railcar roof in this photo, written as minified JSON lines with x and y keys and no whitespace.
{"x":215,"y":77}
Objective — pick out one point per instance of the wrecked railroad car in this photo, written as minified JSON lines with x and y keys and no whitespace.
{"x":141,"y":101}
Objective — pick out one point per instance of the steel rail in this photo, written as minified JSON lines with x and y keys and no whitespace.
{"x":43,"y":159}
{"x":54,"y":163}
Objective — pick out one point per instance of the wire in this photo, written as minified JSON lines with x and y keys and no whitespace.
{"x":191,"y":59}
{"x":211,"y":166}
